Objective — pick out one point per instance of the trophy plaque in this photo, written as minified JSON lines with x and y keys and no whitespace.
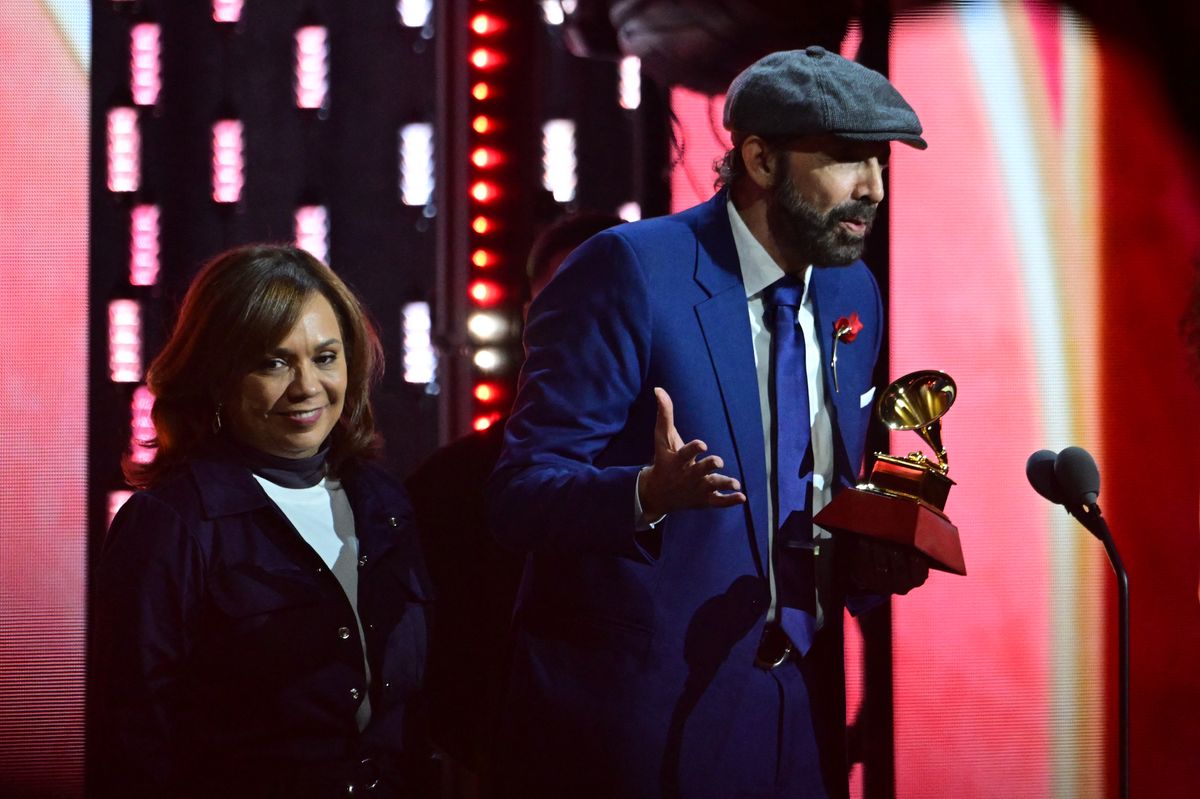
{"x":904,"y":499}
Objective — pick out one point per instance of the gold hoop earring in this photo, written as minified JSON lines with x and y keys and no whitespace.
{"x":216,"y":422}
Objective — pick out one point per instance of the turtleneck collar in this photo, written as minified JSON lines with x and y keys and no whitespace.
{"x":286,"y":472}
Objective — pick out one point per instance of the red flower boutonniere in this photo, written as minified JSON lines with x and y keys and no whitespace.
{"x":846,"y":329}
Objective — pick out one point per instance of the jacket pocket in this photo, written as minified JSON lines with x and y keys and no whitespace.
{"x":251,"y":590}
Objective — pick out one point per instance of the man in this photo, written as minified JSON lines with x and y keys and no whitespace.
{"x":678,"y":593}
{"x":474,"y":578}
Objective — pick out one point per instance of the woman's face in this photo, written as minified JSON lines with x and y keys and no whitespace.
{"x":289,"y":403}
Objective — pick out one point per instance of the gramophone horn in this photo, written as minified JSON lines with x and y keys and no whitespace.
{"x":917,"y":402}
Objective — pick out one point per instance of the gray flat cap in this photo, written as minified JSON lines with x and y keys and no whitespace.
{"x":813,"y":92}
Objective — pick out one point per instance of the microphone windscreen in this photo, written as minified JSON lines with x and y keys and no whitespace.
{"x":1040,"y":471}
{"x":1078,"y":476}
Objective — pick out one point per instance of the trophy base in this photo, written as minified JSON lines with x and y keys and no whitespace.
{"x":899,"y":519}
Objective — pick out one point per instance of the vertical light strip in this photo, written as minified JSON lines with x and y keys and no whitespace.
{"x":227,"y":10}
{"x":416,"y":163}
{"x":124,"y":341}
{"x":124,"y":150}
{"x":1027,"y":170}
{"x":420,"y":357}
{"x":145,"y":77}
{"x":558,"y":158}
{"x":312,"y":66}
{"x":630,"y":82}
{"x":227,"y":160}
{"x":414,"y":13}
{"x":141,"y":425}
{"x":143,"y":245}
{"x":312,"y":231}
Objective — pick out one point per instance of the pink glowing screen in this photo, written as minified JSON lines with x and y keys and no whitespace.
{"x":43,"y":396}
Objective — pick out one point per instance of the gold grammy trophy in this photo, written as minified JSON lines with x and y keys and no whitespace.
{"x":905,"y":498}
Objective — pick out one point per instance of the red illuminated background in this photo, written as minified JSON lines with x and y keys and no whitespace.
{"x":1041,"y":251}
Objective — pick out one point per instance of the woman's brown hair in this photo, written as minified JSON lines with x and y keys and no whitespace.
{"x":240,"y":305}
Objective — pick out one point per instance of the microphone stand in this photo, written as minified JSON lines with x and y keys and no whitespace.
{"x":1089,"y":516}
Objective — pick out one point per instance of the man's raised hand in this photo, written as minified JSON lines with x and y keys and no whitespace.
{"x":676,"y":480}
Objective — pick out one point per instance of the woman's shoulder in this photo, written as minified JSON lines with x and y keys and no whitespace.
{"x":174,"y":492}
{"x":190,"y":493}
{"x":363,"y":471}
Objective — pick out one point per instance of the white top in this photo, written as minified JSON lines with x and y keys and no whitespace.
{"x":759,"y":271}
{"x":324,"y":519}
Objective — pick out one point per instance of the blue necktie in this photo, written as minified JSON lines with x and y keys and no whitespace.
{"x":793,"y":547}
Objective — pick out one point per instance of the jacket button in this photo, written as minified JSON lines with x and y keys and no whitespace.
{"x":393,"y":521}
{"x":355,"y":693}
{"x":362,"y":561}
{"x":343,"y":633}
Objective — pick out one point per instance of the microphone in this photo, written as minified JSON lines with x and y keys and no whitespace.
{"x":1077,"y":475}
{"x":1040,"y":471}
{"x":1071,"y":478}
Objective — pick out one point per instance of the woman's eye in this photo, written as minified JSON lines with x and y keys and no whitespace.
{"x":326,"y":358}
{"x":271,"y":364}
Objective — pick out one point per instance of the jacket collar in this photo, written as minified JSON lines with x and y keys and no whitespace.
{"x":717,"y":266}
{"x":227,"y":488}
{"x":225,"y":483}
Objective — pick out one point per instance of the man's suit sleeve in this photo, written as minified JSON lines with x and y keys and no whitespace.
{"x":587,"y":351}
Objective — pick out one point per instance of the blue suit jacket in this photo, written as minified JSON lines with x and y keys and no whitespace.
{"x":632,"y":648}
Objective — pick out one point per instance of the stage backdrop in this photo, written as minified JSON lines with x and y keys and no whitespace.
{"x":43,"y":393}
{"x":1041,"y":253}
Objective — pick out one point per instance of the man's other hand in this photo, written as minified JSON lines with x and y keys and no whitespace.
{"x":676,"y":480}
{"x":881,"y":567}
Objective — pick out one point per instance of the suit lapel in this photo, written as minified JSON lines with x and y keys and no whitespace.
{"x":830,"y":301}
{"x":725,"y":324}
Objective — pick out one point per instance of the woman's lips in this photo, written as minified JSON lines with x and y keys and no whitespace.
{"x":305,"y":418}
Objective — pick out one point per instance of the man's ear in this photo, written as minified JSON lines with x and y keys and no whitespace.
{"x":760,"y":160}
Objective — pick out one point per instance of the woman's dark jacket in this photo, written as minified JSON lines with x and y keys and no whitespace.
{"x":226,"y":658}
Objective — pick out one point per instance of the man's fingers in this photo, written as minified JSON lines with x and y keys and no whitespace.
{"x":690,"y":450}
{"x":665,"y":421}
{"x":710,"y":464}
{"x":887,"y":568}
{"x":721,"y":482}
{"x":665,"y":434}
{"x":718,"y":500}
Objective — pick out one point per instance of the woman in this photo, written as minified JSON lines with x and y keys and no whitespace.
{"x":260,"y":607}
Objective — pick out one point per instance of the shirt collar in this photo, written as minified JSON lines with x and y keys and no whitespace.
{"x":759,"y":269}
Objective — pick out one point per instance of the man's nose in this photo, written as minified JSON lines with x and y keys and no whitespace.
{"x":870,"y":181}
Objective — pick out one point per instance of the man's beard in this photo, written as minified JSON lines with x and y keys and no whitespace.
{"x":813,"y":237}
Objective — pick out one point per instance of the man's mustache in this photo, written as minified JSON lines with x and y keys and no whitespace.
{"x":860,"y":210}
